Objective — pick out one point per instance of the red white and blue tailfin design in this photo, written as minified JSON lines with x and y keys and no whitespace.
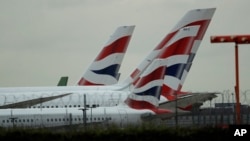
{"x":147,"y":90}
{"x":105,"y":68}
{"x":181,"y":49}
{"x":194,"y":17}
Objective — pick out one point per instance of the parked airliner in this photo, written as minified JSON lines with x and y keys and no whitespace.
{"x":139,"y":106}
{"x":178,"y":49}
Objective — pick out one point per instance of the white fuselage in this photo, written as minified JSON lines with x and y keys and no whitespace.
{"x":56,"y":117}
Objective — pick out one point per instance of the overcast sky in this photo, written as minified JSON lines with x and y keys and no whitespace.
{"x":42,"y":40}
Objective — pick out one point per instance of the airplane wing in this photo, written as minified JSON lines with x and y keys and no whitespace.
{"x":189,"y":99}
{"x":32,"y":102}
{"x":28,"y":103}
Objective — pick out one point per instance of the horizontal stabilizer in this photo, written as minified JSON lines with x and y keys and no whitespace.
{"x":188,"y":100}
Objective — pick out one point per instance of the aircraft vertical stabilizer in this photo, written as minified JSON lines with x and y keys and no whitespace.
{"x":147,"y":90}
{"x":105,"y":68}
{"x":181,"y":50}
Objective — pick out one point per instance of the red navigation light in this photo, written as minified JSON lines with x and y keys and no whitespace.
{"x":239,"y":39}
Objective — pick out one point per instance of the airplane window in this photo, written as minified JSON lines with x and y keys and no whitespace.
{"x":3,"y":121}
{"x":65,"y":106}
{"x":59,"y":119}
{"x":55,"y":119}
{"x":47,"y":120}
{"x":79,"y":105}
{"x":74,"y":105}
{"x":38,"y":106}
{"x":23,"y":120}
{"x":28,"y":120}
{"x":52,"y":119}
{"x":94,"y":118}
{"x":98,"y":118}
{"x":52,"y":106}
{"x":69,"y":105}
{"x":63,"y":119}
{"x":47,"y":106}
{"x":79,"y":119}
{"x":56,"y":106}
{"x":20,"y":120}
{"x":43,"y":106}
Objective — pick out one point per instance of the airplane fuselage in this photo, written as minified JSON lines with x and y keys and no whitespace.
{"x":56,"y":117}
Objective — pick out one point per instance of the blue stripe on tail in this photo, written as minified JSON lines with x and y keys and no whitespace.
{"x":112,"y":70}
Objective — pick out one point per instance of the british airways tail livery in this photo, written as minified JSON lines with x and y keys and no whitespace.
{"x":178,"y":48}
{"x":195,"y":17}
{"x":147,"y":90}
{"x":104,"y":70}
{"x":181,"y":50}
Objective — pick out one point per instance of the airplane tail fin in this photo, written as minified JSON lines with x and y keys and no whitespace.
{"x":105,"y":68}
{"x":196,"y":17}
{"x":147,"y":89}
{"x":181,"y":49}
{"x":63,"y":81}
